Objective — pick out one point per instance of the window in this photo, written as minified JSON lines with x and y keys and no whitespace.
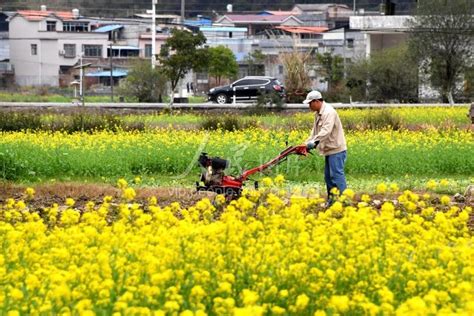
{"x":34,"y":49}
{"x":242,"y":83}
{"x":258,"y":82}
{"x":69,"y":50}
{"x":51,"y":26}
{"x":350,"y":42}
{"x":92,"y":50}
{"x":147,"y":50}
{"x":75,"y":27}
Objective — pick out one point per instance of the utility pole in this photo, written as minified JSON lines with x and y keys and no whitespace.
{"x":182,"y":10}
{"x":111,"y":74}
{"x":354,"y":8}
{"x":344,"y":50}
{"x":81,"y":87}
{"x":153,"y":34}
{"x":81,"y":75}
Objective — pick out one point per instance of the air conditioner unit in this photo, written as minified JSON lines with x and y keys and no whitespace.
{"x":62,"y":53}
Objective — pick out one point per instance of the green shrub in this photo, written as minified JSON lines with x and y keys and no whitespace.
{"x":382,"y":119}
{"x":266,"y":103}
{"x":10,"y":166}
{"x":82,"y":121}
{"x":226,"y":122}
{"x":17,"y":121}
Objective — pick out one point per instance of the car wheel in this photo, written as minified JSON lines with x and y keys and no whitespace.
{"x":221,"y":98}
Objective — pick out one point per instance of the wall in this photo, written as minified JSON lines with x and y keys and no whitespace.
{"x":146,"y":39}
{"x":43,"y":68}
{"x":377,"y":42}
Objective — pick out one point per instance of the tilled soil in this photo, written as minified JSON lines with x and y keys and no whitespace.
{"x":47,"y":194}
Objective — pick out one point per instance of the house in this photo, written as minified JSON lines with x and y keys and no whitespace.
{"x":102,"y":77}
{"x":145,"y":41}
{"x":330,"y":15}
{"x":214,"y":34}
{"x":6,"y":69}
{"x":199,"y":22}
{"x":161,"y":19}
{"x":381,"y":31}
{"x":302,"y":37}
{"x":46,"y":44}
{"x":347,"y":43}
{"x":279,"y":12}
{"x":4,"y":40}
{"x":257,"y":24}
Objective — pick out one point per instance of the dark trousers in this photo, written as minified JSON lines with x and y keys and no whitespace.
{"x":334,"y":173}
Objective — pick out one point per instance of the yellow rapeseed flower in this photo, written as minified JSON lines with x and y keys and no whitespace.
{"x":30,"y":192}
{"x":445,"y":200}
{"x":128,"y":194}
{"x":381,"y":188}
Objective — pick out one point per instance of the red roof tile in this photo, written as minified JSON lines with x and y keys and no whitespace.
{"x":287,"y":13}
{"x":36,"y":15}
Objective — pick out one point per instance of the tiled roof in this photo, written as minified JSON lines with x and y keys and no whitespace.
{"x":36,"y":15}
{"x":256,"y":18}
{"x":108,"y":28}
{"x":319,"y":7}
{"x":287,"y":13}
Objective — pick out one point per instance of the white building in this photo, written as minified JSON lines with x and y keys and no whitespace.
{"x":381,"y":32}
{"x":44,"y":44}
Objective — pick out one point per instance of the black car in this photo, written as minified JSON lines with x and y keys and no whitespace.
{"x":247,"y":88}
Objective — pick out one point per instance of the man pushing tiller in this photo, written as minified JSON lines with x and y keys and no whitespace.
{"x":327,"y":135}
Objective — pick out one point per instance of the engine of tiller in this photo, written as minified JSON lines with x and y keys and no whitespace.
{"x":214,"y":178}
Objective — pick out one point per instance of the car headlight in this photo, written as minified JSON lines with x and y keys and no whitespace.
{"x":212,"y":90}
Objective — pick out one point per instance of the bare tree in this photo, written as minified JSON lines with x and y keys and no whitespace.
{"x":441,"y":38}
{"x":297,"y":81}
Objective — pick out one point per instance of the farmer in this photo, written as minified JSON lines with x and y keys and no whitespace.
{"x":328,"y":136}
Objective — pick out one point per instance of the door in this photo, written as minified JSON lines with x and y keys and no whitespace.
{"x":256,"y":88}
{"x":241,"y":89}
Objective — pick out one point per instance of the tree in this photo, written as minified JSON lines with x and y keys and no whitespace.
{"x":222,"y":63}
{"x":180,"y":54}
{"x":255,"y":62}
{"x":357,"y":79}
{"x":332,"y":69}
{"x":441,"y":39}
{"x":387,"y":75}
{"x":144,"y":83}
{"x":297,"y":81}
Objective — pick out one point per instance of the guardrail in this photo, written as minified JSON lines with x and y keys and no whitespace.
{"x":210,"y":106}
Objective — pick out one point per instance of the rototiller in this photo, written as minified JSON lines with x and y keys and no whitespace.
{"x":215,"y":180}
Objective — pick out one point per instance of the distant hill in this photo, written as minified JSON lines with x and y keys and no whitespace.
{"x":124,"y":8}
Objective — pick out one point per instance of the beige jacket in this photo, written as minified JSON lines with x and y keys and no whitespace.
{"x":328,"y":131}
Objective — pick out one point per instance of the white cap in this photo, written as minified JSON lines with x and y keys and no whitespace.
{"x":313,"y":95}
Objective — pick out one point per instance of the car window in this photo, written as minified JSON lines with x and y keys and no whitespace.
{"x":259,"y":82}
{"x":242,"y":83}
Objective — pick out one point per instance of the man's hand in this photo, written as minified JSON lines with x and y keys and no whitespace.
{"x":312,"y":145}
